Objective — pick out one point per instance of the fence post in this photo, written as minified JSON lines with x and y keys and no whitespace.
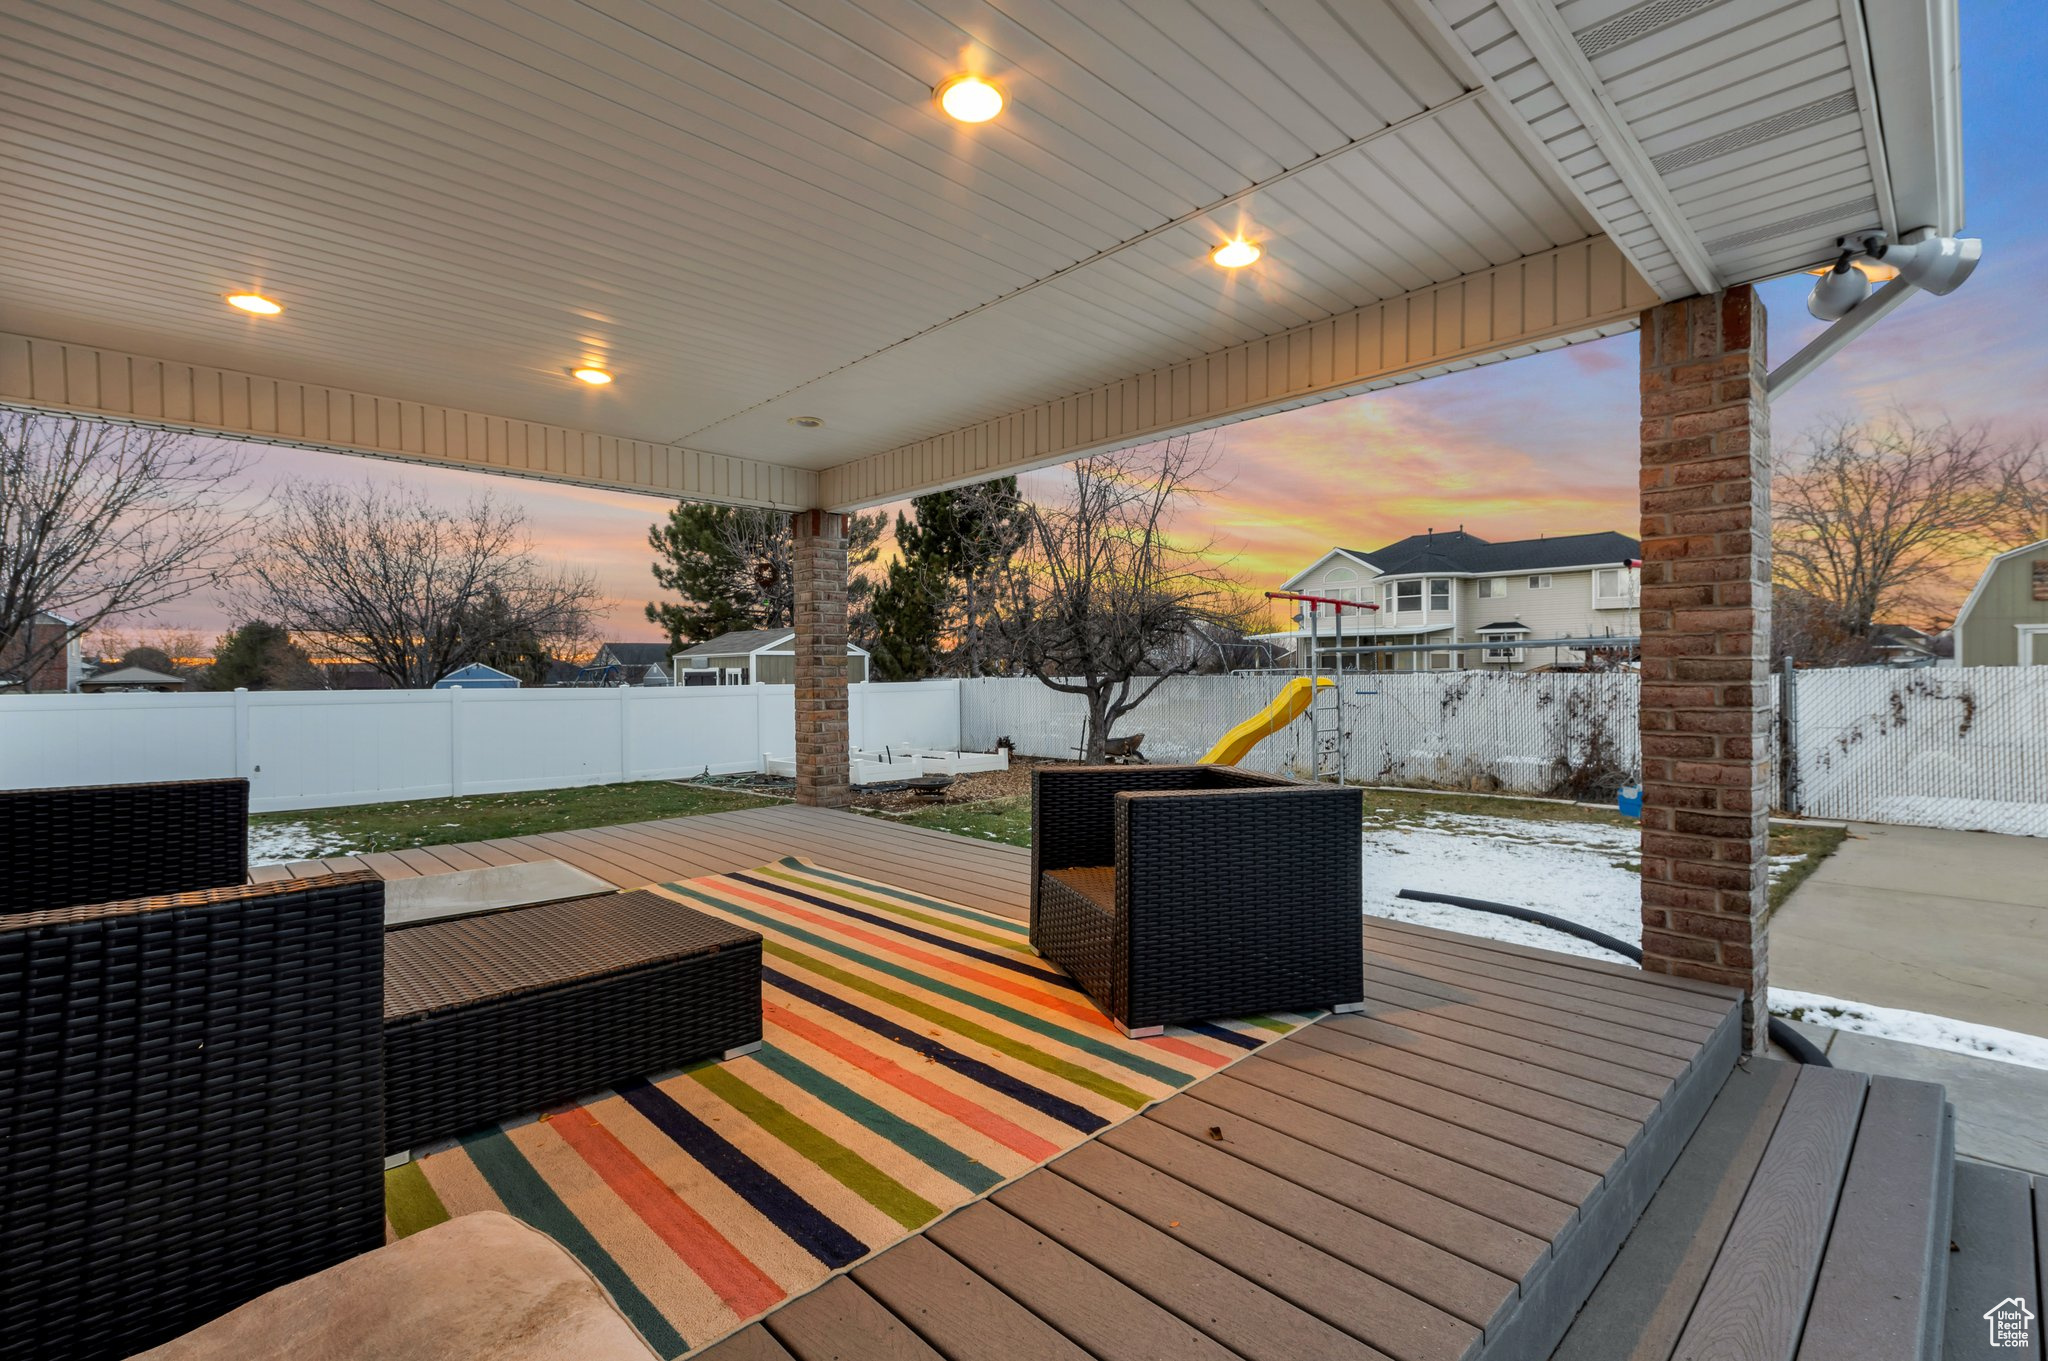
{"x":1788,"y":735}
{"x":244,"y":766}
{"x":625,"y":736}
{"x":454,"y":741}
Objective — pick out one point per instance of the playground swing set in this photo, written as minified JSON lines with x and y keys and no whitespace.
{"x":1319,"y":695}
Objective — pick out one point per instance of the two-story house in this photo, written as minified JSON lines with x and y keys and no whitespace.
{"x":1456,"y":588}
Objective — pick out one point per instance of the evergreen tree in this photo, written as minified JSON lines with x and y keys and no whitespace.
{"x":731,"y":569}
{"x":259,"y":655}
{"x":909,"y":617}
{"x":954,"y":555}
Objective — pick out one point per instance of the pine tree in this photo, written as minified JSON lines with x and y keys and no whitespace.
{"x":731,"y":568}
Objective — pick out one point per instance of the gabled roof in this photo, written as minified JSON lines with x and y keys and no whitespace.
{"x":132,"y":675}
{"x":1977,"y":591}
{"x":1456,"y":551}
{"x":1317,"y":566}
{"x":638,"y":654}
{"x":738,"y":641}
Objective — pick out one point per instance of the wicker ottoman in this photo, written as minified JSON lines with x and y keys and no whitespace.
{"x":489,"y":1017}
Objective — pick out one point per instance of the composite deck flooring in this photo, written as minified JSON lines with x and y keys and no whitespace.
{"x":1443,"y":1176}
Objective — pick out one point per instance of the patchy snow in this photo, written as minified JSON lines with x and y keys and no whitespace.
{"x":1912,"y":1027}
{"x":1581,"y":871}
{"x":274,"y":843}
{"x":1587,"y":873}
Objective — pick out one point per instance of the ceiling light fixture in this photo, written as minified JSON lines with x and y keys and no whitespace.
{"x":254,"y":302}
{"x":1235,"y":253}
{"x":807,"y":422}
{"x":969,"y":99}
{"x":595,"y":377}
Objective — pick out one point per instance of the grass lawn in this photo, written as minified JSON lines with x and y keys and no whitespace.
{"x":1009,"y":821}
{"x":480,"y":817}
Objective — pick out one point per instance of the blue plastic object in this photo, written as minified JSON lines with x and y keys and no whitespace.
{"x":1630,"y":800}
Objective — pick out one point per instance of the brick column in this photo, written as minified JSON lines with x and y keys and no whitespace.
{"x":818,"y":564}
{"x":1706,"y":623}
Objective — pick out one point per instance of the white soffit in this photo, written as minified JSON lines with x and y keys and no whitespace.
{"x":747,"y":211}
{"x":1728,"y":141}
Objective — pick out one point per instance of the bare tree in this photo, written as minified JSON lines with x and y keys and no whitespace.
{"x":1873,"y":517}
{"x":2023,"y":492}
{"x":103,"y":522}
{"x":411,"y":589}
{"x":1102,"y":596}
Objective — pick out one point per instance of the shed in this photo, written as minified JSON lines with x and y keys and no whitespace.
{"x":754,"y":656}
{"x":2005,"y":620}
{"x":477,"y":676}
{"x":131,"y":679}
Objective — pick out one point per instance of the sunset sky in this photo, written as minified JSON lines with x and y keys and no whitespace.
{"x":1538,"y":445}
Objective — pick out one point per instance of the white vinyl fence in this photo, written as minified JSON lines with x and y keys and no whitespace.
{"x":1946,"y":747}
{"x":1965,"y":748}
{"x":319,"y":749}
{"x":1527,"y":732}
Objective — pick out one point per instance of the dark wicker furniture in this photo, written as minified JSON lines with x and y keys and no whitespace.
{"x":490,"y":1016}
{"x":108,"y":843}
{"x":1187,"y":893}
{"x":190,"y":1082}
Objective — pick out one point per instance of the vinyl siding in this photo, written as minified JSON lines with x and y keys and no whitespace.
{"x":1988,"y":634}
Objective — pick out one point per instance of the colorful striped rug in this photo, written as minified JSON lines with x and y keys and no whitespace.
{"x":917,"y":1056}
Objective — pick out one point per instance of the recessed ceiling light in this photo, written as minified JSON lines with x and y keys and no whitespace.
{"x":807,"y":422}
{"x":970,"y":99}
{"x":1235,"y":253}
{"x":254,"y":302}
{"x":594,"y":377}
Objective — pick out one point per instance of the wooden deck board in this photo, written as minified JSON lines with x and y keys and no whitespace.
{"x":1394,"y":1184}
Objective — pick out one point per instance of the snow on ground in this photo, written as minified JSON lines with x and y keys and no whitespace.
{"x":1586,"y":873}
{"x":274,"y":843}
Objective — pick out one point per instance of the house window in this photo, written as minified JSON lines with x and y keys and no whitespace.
{"x":1540,"y":583}
{"x":1610,"y":586}
{"x":1493,"y":588}
{"x":1442,"y":661}
{"x":1500,"y":651}
{"x":1405,"y":595}
{"x":1440,"y":594}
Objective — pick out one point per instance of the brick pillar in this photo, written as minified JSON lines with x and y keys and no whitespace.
{"x":1706,"y":623}
{"x":818,"y":562}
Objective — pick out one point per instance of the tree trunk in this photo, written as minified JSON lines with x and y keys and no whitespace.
{"x":1099,"y":719}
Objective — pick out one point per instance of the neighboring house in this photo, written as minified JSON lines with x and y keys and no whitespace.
{"x":753,"y":656}
{"x":628,"y":664}
{"x":131,"y":680}
{"x":2005,"y":620}
{"x":1456,"y":587}
{"x":1904,"y":645}
{"x":477,"y":676}
{"x":58,"y":669}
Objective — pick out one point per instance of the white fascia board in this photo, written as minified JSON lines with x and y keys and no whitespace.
{"x":1915,"y":59}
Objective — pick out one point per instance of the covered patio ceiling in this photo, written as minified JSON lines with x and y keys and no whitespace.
{"x":753,"y":212}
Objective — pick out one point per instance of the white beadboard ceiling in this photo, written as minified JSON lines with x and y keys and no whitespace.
{"x":751,"y":211}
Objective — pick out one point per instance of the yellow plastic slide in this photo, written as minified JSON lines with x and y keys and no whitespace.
{"x":1287,"y":706}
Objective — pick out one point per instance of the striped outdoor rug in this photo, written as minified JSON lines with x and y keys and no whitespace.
{"x":917,"y":1056}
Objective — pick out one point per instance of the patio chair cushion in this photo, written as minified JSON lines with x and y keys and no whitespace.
{"x":483,"y":1287}
{"x":1096,"y":883}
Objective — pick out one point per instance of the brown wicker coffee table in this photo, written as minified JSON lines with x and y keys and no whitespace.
{"x":491,"y":1016}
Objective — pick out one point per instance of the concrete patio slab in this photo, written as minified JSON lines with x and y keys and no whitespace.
{"x":2001,"y":1108}
{"x":1950,"y":923}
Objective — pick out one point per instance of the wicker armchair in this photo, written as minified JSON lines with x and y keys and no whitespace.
{"x":193,"y":1081}
{"x":1185,"y":893}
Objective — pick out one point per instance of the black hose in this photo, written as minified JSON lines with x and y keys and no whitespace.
{"x":1781,"y":1032}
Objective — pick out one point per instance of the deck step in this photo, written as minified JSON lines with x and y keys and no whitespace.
{"x":2000,"y":1254}
{"x":1880,"y":1294}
